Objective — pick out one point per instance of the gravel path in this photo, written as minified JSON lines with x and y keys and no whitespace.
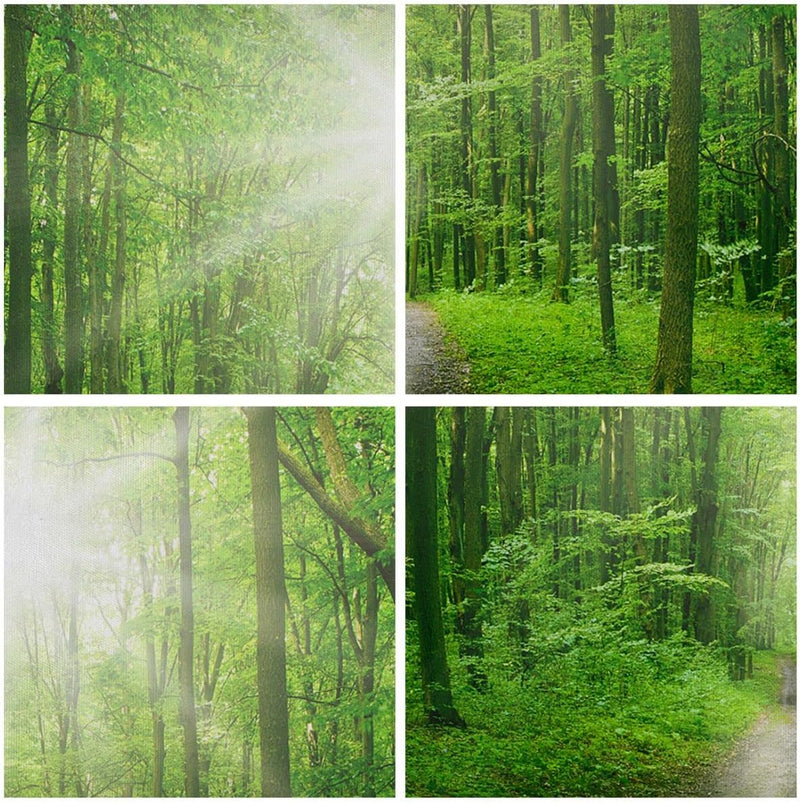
{"x":432,"y":364}
{"x":764,"y":763}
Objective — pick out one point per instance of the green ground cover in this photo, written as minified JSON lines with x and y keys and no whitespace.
{"x":527,"y":344}
{"x":643,"y":719}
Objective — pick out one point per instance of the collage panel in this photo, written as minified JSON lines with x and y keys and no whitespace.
{"x":603,"y":601}
{"x":200,"y":199}
{"x":601,"y":199}
{"x":199,"y":602}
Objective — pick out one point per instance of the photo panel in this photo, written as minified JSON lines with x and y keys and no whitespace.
{"x":200,"y":199}
{"x":603,"y":601}
{"x":199,"y":601}
{"x":600,"y":199}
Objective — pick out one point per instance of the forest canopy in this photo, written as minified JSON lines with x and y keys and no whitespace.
{"x":200,"y":199}
{"x":600,"y":600}
{"x":603,"y":157}
{"x":159,"y":572}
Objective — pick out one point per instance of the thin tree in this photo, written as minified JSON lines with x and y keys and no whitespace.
{"x":673,"y":368}
{"x":273,"y":713}
{"x":18,"y":206}
{"x":568,"y":124}
{"x":604,"y":150}
{"x":422,"y":526}
{"x":191,"y":763}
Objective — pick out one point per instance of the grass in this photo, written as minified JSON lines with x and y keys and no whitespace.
{"x":528,"y":344}
{"x":632,"y":725}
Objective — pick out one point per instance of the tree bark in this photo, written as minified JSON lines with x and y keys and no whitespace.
{"x":568,"y":123}
{"x":532,"y":173}
{"x":704,"y":520}
{"x":673,"y":368}
{"x":18,"y":206}
{"x":604,"y":151}
{"x":114,"y":380}
{"x":273,"y":714}
{"x":73,"y":310}
{"x":422,"y":525}
{"x":191,"y":765}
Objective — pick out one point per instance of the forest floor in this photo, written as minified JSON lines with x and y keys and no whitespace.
{"x":763,"y":764}
{"x":518,"y":343}
{"x":434,"y":364}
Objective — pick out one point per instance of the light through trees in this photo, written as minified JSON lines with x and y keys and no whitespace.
{"x":136,"y":604}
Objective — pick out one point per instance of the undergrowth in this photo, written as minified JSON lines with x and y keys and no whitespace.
{"x":527,"y":344}
{"x":642,"y":719}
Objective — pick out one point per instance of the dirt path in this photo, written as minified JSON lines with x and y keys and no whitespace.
{"x":764,"y":762}
{"x":432,"y":364}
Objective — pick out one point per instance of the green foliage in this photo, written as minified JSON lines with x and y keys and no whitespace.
{"x":527,"y":344}
{"x":99,"y":499}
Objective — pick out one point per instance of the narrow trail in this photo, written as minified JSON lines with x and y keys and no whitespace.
{"x":764,"y":763}
{"x":432,"y":364}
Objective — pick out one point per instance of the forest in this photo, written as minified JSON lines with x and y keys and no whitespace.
{"x":199,"y":602}
{"x":601,"y":601}
{"x":199,"y":199}
{"x":602,"y":198}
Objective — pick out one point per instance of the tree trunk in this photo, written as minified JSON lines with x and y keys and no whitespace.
{"x":18,"y":206}
{"x":673,"y":368}
{"x":705,"y":519}
{"x":465,"y":31}
{"x":494,"y":160}
{"x":533,"y":178}
{"x":422,"y":525}
{"x":470,"y":629}
{"x":73,"y":310}
{"x":273,"y":714}
{"x":191,"y":764}
{"x":568,"y":123}
{"x":53,"y":373}
{"x":604,"y":151}
{"x":113,"y":346}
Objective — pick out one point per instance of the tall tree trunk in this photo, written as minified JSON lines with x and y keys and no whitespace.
{"x":673,"y":368}
{"x":704,"y":520}
{"x":465,"y":12}
{"x":471,"y":629}
{"x":191,"y":765}
{"x":604,"y":152}
{"x":568,"y":123}
{"x":509,"y":467}
{"x":73,"y":310}
{"x":422,"y":526}
{"x":494,"y":160}
{"x":18,"y":205}
{"x":53,"y":373}
{"x":113,"y":346}
{"x":784,"y":178}
{"x":273,"y":714}
{"x":533,"y":178}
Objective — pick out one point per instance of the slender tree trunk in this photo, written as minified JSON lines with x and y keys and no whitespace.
{"x":273,"y":714}
{"x":115,"y":382}
{"x":604,"y":152}
{"x":494,"y":160}
{"x":465,"y":12}
{"x":18,"y":205}
{"x":53,"y":373}
{"x":704,"y":520}
{"x":191,"y":765}
{"x":673,"y":368}
{"x":422,"y":526}
{"x":568,"y":123}
{"x":473,"y":545}
{"x":73,"y":311}
{"x":532,"y":187}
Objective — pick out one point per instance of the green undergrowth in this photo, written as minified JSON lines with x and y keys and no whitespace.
{"x":642,"y":720}
{"x":528,"y":344}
